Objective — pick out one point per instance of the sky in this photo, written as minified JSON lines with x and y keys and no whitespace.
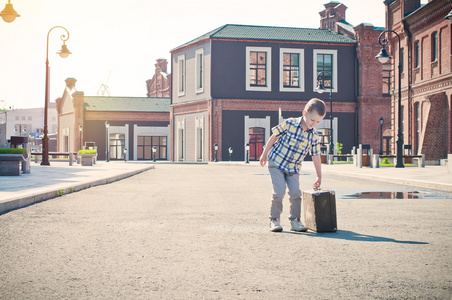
{"x":117,"y":43}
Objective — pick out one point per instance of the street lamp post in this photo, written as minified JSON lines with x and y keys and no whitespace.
{"x":107,"y":151}
{"x":320,"y":89}
{"x":154,"y":149}
{"x":64,"y":52}
{"x":216,"y":150}
{"x":247,"y":148}
{"x":80,"y":130}
{"x":383,"y":57}
{"x":230,"y":153}
{"x":9,"y":14}
{"x":382,"y":121}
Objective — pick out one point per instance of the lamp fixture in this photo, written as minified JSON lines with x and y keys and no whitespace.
{"x":9,"y":14}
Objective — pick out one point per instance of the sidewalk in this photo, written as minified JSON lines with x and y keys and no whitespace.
{"x":46,"y":182}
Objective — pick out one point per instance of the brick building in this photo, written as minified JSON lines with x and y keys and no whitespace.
{"x":160,"y":84}
{"x":135,"y":123}
{"x":233,"y":84}
{"x":426,"y":50}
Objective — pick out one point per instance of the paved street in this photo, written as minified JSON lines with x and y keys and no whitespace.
{"x":185,"y":231}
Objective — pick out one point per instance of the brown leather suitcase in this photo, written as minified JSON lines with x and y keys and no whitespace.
{"x":319,"y":208}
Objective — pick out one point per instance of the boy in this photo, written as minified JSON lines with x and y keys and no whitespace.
{"x":288,"y":145}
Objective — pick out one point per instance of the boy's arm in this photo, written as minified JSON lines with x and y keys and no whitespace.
{"x":318,"y":169}
{"x":270,"y":143}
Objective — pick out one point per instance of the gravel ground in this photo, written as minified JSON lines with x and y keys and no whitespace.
{"x":201,"y":232}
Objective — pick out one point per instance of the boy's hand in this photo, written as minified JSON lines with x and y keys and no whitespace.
{"x":263,"y":160}
{"x":317,"y":183}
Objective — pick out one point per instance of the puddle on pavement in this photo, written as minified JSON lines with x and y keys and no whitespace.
{"x":397,"y":195}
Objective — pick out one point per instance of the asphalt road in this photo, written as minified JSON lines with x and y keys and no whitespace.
{"x":201,"y":232}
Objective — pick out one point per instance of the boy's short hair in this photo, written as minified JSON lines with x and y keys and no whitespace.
{"x":316,"y":105}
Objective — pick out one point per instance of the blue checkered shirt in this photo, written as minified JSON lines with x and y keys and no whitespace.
{"x":293,"y":145}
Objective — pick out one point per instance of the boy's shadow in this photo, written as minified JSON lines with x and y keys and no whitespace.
{"x":353,"y":236}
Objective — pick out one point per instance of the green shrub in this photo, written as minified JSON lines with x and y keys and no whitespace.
{"x":87,"y":151}
{"x":12,"y":150}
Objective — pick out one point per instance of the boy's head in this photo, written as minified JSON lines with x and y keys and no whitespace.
{"x":314,"y":112}
{"x":316,"y":105}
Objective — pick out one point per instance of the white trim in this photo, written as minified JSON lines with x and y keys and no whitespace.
{"x":199,"y":125}
{"x":268,"y":70}
{"x":181,"y":75}
{"x":180,"y":125}
{"x":199,"y":64}
{"x":300,"y":69}
{"x":314,"y":72}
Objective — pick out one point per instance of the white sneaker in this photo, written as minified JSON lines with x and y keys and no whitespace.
{"x":296,"y":225}
{"x":274,"y":225}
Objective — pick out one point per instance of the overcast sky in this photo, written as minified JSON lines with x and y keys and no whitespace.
{"x":119,"y":41}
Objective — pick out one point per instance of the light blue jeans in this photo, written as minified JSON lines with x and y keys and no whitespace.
{"x":279,"y":181}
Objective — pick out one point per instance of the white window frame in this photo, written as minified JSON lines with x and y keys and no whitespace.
{"x":314,"y":70}
{"x":181,"y":75}
{"x":300,"y":52}
{"x":267,"y":88}
{"x":199,"y":67}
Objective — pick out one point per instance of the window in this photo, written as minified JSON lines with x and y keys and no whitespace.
{"x":326,"y":61}
{"x":416,"y":54}
{"x":403,"y":123}
{"x":145,"y":144}
{"x":181,"y":75}
{"x":117,"y":144}
{"x":199,"y":72}
{"x":258,"y":69}
{"x":434,"y":46}
{"x":291,"y":70}
{"x":402,"y":58}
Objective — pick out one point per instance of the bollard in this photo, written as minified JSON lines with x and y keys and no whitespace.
{"x":449,"y":162}
{"x":359,"y":156}
{"x":375,"y":161}
{"x":71,"y":157}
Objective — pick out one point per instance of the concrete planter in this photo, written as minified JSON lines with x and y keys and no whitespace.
{"x":87,"y":159}
{"x":10,"y":164}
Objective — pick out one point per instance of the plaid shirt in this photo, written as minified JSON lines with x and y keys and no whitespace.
{"x":293,"y":145}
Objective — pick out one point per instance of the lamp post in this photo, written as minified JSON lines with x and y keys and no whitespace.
{"x":320,"y":89}
{"x":230,"y":153}
{"x":382,"y":121}
{"x":107,"y":151}
{"x":247,"y":148}
{"x":64,"y":52}
{"x":80,"y":130}
{"x":383,"y":57}
{"x":154,"y":149}
{"x":9,"y":14}
{"x":215,"y":146}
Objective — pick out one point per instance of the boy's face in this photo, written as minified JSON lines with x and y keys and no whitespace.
{"x":312,"y":119}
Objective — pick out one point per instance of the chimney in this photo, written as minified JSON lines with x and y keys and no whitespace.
{"x":70,"y":82}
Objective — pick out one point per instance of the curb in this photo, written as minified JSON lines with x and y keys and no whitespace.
{"x":16,"y":203}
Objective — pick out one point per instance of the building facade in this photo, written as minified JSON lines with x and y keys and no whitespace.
{"x":233,"y":84}
{"x":426,"y":77}
{"x":135,"y":124}
{"x":28,"y":122}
